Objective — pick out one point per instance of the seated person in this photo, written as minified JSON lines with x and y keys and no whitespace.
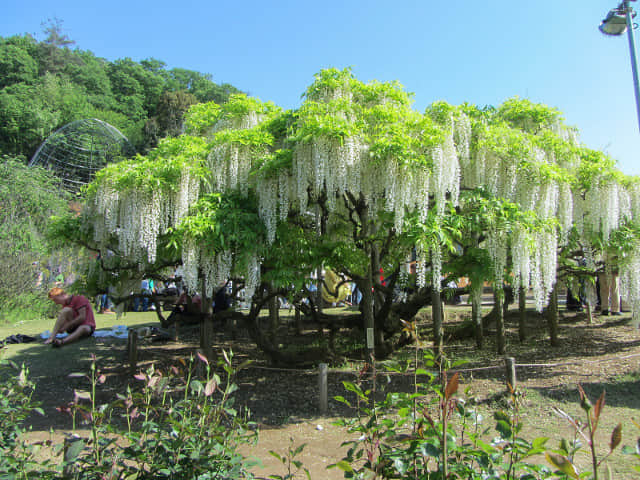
{"x":190,"y":308}
{"x":221,"y":301}
{"x":76,"y":318}
{"x":186,"y":307}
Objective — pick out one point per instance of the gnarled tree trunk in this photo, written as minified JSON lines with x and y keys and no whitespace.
{"x":476,"y":314}
{"x":522,"y":314}
{"x":498,"y":296}
{"x":436,"y":309}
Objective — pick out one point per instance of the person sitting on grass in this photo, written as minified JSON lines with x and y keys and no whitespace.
{"x":76,"y":317}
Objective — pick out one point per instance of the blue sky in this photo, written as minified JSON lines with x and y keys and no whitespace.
{"x":549,"y":51}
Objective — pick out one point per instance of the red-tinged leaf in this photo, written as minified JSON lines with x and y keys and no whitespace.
{"x":86,"y":415}
{"x":140,"y":376}
{"x":175,"y":370}
{"x":616,"y":437}
{"x":203,"y":358}
{"x":452,"y":386}
{"x":81,"y":395}
{"x":153,"y":381}
{"x":585,"y":403}
{"x":102,"y":379}
{"x":210,"y":387}
{"x":581,"y":392}
{"x":563,"y":464}
{"x":599,"y":406}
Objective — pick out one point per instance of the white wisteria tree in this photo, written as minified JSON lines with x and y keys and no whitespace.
{"x":358,"y":181}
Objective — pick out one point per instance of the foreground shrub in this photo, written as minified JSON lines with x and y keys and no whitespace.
{"x":176,"y":426}
{"x":183,"y":426}
{"x":563,"y":458}
{"x":431,"y":433}
{"x":18,"y":458}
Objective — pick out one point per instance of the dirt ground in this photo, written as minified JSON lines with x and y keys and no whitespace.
{"x":604,"y":355}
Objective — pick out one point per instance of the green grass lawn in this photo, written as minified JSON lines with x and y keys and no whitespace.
{"x":49,"y":367}
{"x":37,"y":326}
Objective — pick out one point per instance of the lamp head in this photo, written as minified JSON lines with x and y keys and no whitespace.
{"x":615,"y":23}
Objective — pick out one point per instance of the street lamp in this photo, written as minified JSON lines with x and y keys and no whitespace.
{"x":616,"y":22}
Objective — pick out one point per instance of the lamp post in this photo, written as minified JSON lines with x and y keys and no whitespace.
{"x":616,"y":22}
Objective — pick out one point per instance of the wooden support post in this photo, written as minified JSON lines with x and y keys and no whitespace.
{"x":230,"y":327}
{"x":589,"y":314}
{"x":510,"y":364}
{"x":322,"y":387}
{"x":206,"y":337}
{"x":298,"y":321}
{"x":132,"y":351}
{"x":173,"y":331}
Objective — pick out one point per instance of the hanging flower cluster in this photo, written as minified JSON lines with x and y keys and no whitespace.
{"x":605,"y":206}
{"x":351,"y":142}
{"x":356,"y":140}
{"x":136,"y":202}
{"x":216,"y":270}
{"x":238,"y":139}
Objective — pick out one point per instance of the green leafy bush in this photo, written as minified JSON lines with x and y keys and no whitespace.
{"x":175,"y":426}
{"x":433,"y":433}
{"x":183,"y":424}
{"x":18,"y":458}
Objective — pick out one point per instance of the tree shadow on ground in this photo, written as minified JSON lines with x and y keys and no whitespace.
{"x":281,"y":396}
{"x":51,"y":368}
{"x":611,"y":341}
{"x":618,"y":393}
{"x":273,"y":396}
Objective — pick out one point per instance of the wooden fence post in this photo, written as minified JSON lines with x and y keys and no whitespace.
{"x":510,"y":364}
{"x":206,"y":337}
{"x":132,"y":350}
{"x":322,"y":387}
{"x":173,"y":331}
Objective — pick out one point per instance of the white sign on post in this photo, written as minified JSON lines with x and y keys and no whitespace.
{"x":370,"y":343}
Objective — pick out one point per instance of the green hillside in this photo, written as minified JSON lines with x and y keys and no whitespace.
{"x":46,"y":84}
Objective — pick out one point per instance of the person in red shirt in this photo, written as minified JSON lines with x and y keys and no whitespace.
{"x":76,"y":318}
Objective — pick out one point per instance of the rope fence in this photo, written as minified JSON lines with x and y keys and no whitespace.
{"x":510,"y":366}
